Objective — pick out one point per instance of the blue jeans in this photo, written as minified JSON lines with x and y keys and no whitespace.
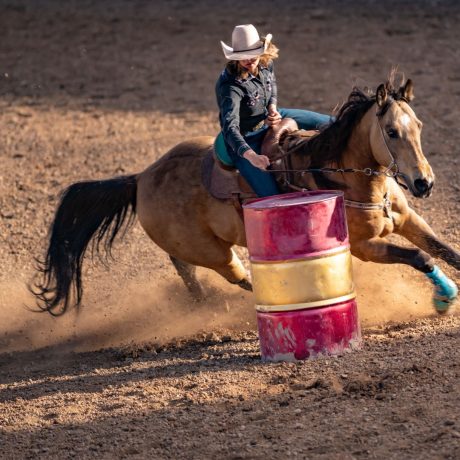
{"x":263,"y":182}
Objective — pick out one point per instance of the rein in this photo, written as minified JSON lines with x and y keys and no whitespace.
{"x":391,"y":170}
{"x":365,"y":171}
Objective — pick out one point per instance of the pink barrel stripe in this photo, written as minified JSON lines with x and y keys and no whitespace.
{"x":295,"y":225}
{"x":310,"y":333}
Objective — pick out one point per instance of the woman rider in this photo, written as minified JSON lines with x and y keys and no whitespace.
{"x":247,"y":97}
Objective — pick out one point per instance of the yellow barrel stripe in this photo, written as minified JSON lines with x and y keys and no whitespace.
{"x":303,"y":281}
{"x":303,"y":306}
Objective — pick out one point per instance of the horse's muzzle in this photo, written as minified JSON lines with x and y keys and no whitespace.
{"x":422,"y":188}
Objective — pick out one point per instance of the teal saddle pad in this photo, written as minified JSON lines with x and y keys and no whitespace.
{"x":221,"y":151}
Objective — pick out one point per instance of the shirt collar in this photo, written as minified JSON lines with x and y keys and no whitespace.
{"x":250,"y":76}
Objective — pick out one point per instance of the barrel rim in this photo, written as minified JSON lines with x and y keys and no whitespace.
{"x":255,"y":204}
{"x":303,"y":257}
{"x":306,"y":305}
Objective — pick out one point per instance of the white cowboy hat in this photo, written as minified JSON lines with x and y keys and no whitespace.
{"x":246,"y":43}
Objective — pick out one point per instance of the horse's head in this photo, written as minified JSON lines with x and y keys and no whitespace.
{"x":395,"y":139}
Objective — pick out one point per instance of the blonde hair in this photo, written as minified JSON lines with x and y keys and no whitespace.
{"x":269,"y":55}
{"x":235,"y":68}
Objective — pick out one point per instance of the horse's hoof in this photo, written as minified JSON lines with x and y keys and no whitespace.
{"x":446,"y":291}
{"x":245,"y":284}
{"x":445,"y":296}
{"x":443,"y":307}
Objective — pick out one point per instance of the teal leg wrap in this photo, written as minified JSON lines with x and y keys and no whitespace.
{"x":445,"y":290}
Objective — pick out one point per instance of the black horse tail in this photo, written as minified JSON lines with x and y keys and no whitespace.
{"x":88,"y":211}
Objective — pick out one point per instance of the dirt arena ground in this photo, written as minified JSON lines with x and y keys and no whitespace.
{"x":94,"y":89}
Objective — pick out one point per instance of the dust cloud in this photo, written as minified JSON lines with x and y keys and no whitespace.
{"x":391,"y":293}
{"x":149,"y":310}
{"x":126,"y":313}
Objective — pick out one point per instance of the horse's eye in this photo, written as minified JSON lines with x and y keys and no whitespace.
{"x":393,"y":133}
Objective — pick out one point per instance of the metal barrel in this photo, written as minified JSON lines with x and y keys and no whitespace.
{"x":302,"y":275}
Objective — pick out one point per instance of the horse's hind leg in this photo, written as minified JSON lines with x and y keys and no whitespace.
{"x":235,"y":272}
{"x":220,"y":257}
{"x":188,"y":274}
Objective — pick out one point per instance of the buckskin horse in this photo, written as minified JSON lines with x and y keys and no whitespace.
{"x":371,"y":149}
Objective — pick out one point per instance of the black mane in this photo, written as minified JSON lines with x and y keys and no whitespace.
{"x":329,"y":144}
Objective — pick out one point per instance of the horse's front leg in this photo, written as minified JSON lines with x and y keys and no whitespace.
{"x":417,"y":231}
{"x":381,"y":251}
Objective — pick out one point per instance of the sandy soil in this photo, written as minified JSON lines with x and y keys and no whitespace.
{"x":93,"y":89}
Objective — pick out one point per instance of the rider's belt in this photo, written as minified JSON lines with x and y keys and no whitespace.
{"x":259,"y":125}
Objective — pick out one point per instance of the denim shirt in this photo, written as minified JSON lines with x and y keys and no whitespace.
{"x":243,"y":105}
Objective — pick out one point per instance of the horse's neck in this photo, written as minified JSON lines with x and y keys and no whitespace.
{"x":358,"y":155}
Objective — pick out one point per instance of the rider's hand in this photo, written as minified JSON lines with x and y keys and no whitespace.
{"x":274,"y":116}
{"x":259,"y":161}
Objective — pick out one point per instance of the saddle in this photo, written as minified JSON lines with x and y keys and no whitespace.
{"x":277,"y":145}
{"x":223,"y":181}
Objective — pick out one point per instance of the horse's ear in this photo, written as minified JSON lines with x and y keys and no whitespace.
{"x":381,"y":95}
{"x":407,"y":91}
